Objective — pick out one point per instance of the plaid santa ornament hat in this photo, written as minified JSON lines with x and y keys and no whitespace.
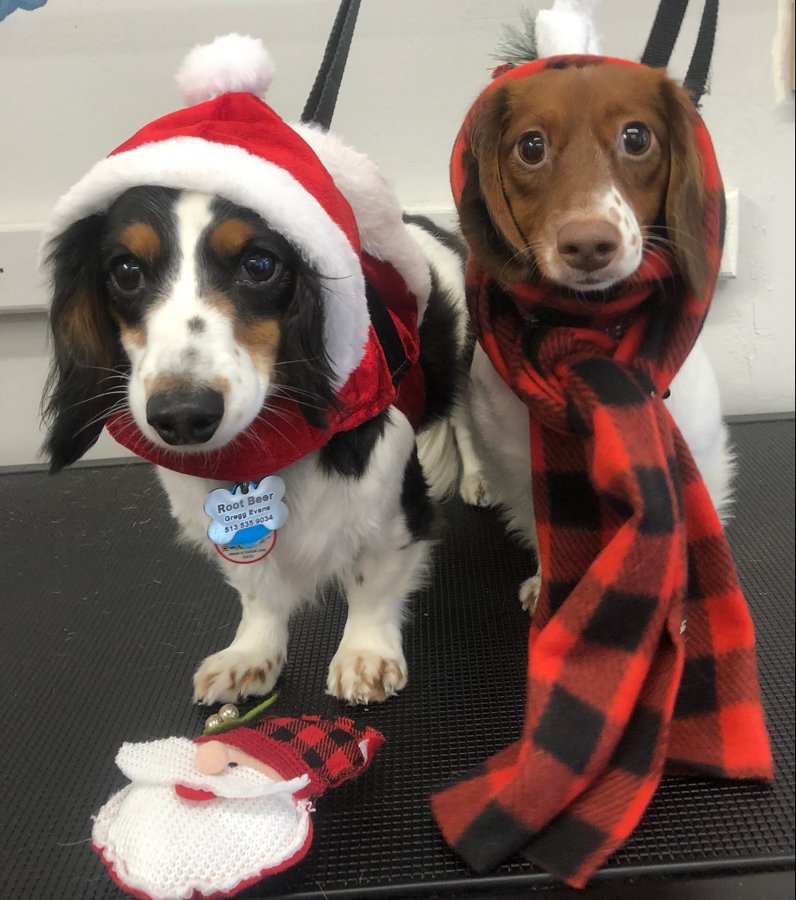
{"x":326,"y":751}
{"x":229,"y":142}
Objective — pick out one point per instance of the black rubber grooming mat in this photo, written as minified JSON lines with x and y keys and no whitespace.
{"x":104,"y":619}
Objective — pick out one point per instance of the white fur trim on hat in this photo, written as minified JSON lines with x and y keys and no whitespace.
{"x":194,"y":164}
{"x":376,"y":208}
{"x":232,"y":63}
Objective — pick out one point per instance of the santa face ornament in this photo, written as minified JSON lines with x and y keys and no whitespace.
{"x":174,"y":831}
{"x":218,"y":814}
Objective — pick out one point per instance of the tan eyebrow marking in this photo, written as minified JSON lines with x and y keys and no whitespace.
{"x":142,"y":241}
{"x":228,"y":238}
{"x":259,"y":338}
{"x":261,"y":341}
{"x":134,"y":334}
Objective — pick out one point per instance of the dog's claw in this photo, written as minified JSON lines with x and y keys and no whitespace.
{"x":231,"y":675}
{"x":365,"y":677}
{"x":474,"y":490}
{"x":529,"y":592}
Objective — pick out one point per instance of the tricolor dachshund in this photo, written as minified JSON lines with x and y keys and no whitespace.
{"x":235,"y":297}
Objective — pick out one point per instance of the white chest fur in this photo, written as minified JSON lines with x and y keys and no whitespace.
{"x":351,"y":531}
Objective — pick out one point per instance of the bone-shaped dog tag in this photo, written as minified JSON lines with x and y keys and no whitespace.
{"x":247,"y":513}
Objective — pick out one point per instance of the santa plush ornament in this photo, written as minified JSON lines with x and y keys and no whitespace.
{"x":213,"y":816}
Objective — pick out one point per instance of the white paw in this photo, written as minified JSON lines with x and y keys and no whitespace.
{"x":474,"y":491}
{"x":529,"y":592}
{"x":231,"y":675}
{"x":365,"y":676}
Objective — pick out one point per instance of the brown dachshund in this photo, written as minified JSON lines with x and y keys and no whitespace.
{"x":570,"y":177}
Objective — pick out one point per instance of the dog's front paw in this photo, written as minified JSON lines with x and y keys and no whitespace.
{"x":474,"y":490}
{"x":231,"y":675}
{"x":529,"y":592}
{"x":365,"y":676}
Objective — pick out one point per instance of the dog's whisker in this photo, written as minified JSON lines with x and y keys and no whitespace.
{"x":252,"y":438}
{"x":114,"y":371}
{"x":124,"y":379}
{"x":525,"y":255}
{"x":289,"y":388}
{"x":298,"y":401}
{"x":285,"y":416}
{"x":682,"y":246}
{"x":290,"y":362}
{"x":105,"y":414}
{"x":97,"y":397}
{"x":272,"y":425}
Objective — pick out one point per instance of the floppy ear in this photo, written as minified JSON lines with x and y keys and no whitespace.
{"x":79,"y":394}
{"x":303,"y":363}
{"x":685,"y":195}
{"x":486,"y":220}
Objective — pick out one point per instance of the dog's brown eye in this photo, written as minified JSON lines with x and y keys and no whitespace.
{"x":635,"y":138}
{"x":532,"y":148}
{"x":257,"y":267}
{"x":127,"y":275}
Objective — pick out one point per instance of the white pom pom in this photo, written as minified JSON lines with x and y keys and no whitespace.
{"x":234,"y":62}
{"x":567,"y":28}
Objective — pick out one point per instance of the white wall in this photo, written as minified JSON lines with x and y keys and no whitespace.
{"x":79,"y":76}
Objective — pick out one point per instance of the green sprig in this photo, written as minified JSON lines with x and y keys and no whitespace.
{"x":519,"y":44}
{"x":229,"y":724}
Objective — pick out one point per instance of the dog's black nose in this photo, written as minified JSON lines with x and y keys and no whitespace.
{"x":588,"y":245}
{"x":185,"y":417}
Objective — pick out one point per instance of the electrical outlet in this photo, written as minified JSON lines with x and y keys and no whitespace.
{"x":21,"y":289}
{"x":729,"y":258}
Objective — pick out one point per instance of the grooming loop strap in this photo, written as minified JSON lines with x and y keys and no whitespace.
{"x":663,"y":36}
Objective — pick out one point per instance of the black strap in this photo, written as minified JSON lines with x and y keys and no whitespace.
{"x":663,"y":34}
{"x":663,"y":37}
{"x":319,"y":110}
{"x":321,"y":102}
{"x":697,"y":76}
{"x":387,"y":334}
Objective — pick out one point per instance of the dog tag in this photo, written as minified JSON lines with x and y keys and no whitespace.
{"x":244,"y":519}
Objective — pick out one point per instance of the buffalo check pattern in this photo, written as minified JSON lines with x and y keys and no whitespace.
{"x":329,"y":751}
{"x":641,"y":652}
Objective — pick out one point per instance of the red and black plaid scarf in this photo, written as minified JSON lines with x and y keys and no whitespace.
{"x":641,"y":651}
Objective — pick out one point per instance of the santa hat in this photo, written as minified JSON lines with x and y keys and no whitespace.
{"x":232,"y":144}
{"x":328,"y":751}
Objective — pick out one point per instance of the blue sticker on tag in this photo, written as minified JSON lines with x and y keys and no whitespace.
{"x":247,"y":513}
{"x":248,"y":536}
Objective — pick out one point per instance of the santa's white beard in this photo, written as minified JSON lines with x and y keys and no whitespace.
{"x":168,"y":847}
